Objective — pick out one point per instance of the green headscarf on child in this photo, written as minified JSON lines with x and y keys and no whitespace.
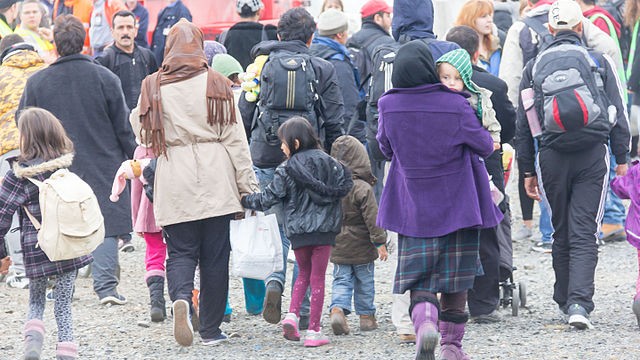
{"x":461,"y":60}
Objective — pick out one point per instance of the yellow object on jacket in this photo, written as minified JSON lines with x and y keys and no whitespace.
{"x":14,"y":72}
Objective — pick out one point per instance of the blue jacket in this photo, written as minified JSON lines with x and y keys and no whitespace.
{"x":413,"y":19}
{"x":142,"y":15}
{"x":166,"y":19}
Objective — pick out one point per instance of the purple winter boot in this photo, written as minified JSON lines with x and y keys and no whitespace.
{"x":425,"y":322}
{"x":451,"y":342}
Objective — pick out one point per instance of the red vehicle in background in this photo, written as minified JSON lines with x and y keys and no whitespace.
{"x":216,"y":16}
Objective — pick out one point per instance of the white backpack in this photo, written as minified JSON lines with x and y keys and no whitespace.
{"x":72,"y":223}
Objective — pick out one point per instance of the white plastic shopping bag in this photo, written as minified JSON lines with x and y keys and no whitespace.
{"x":256,"y":247}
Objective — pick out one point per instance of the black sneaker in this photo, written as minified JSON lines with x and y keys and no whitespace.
{"x":490,"y":318}
{"x":543,"y":247}
{"x":303,"y":323}
{"x":273,"y":302}
{"x":578,"y":317}
{"x":125,"y":246}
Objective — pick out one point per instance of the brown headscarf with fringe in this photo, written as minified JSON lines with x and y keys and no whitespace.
{"x":184,"y":58}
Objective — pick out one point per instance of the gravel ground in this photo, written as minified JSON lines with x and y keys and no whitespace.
{"x":124,"y":332}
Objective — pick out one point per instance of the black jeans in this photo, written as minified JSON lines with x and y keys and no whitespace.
{"x":206,"y":242}
{"x":576,"y":185}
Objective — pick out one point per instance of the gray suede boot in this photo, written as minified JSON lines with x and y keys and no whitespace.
{"x":33,"y":339}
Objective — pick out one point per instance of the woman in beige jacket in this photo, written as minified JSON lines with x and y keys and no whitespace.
{"x":186,"y":116}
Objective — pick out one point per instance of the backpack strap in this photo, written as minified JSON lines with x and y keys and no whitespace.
{"x":34,"y":221}
{"x":632,"y":50}
{"x":110,"y":55}
{"x":612,"y":29}
{"x":544,"y":36}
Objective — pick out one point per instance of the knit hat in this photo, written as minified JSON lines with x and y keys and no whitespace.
{"x":6,"y":3}
{"x":564,"y":14}
{"x":332,"y":22}
{"x":226,"y":65}
{"x":255,"y":5}
{"x":373,"y":7}
{"x":213,"y":48}
{"x":461,"y":60}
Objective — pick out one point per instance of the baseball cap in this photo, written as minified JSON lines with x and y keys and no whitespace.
{"x":564,"y":14}
{"x":332,"y":22}
{"x":255,"y":5}
{"x":373,"y":7}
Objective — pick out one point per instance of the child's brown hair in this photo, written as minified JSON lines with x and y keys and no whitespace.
{"x":42,"y":136}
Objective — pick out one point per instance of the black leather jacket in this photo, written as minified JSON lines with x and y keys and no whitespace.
{"x":310,"y":185}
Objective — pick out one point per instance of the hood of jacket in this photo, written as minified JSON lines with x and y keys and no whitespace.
{"x":23,"y":59}
{"x":36,"y":166}
{"x":322,"y":176}
{"x":412,"y":18}
{"x":266,"y":47}
{"x":350,"y":152}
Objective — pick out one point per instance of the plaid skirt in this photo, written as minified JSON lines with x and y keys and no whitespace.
{"x":446,"y":264}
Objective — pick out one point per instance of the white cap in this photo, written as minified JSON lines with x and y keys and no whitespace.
{"x":564,"y":15}
{"x":255,"y":5}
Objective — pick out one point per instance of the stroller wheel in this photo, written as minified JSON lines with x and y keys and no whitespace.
{"x":500,"y":297}
{"x":515,"y":305}
{"x":522,"y":290}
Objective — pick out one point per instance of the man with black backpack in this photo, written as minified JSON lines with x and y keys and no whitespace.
{"x":130,"y":62}
{"x":329,"y":45}
{"x":572,"y":104}
{"x":292,"y":83}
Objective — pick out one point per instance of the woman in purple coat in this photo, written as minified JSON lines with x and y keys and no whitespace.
{"x":436,"y":197}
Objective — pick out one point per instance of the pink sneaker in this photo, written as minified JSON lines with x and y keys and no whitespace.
{"x":315,"y":338}
{"x":290,"y":327}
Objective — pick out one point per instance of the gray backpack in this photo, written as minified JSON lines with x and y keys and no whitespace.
{"x":569,"y":90}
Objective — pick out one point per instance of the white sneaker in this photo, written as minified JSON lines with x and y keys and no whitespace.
{"x":182,"y":328}
{"x":17,"y":281}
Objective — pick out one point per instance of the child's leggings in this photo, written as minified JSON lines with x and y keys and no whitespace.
{"x":155,"y":255}
{"x":63,"y":292}
{"x":312,"y":265}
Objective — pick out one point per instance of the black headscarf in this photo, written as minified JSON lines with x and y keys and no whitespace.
{"x":414,"y":66}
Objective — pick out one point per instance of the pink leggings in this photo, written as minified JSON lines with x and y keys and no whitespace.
{"x":156,"y":254}
{"x":312,"y":265}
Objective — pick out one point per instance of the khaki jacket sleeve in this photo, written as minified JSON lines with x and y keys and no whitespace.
{"x":489,"y":119}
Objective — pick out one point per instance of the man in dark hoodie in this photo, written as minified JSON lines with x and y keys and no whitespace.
{"x":295,"y":31}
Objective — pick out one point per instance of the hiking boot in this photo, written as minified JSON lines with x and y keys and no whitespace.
{"x":315,"y":339}
{"x":522,"y":234}
{"x":543,"y":247}
{"x":290,"y":327}
{"x":407,"y":338}
{"x":33,"y":339}
{"x":217,"y":340}
{"x":66,"y":351}
{"x":578,"y":317}
{"x":612,"y":232}
{"x":338,"y":321}
{"x":303,"y":322}
{"x":158,"y":310}
{"x":368,"y":322}
{"x":272,"y":302}
{"x":182,"y":328}
{"x":490,"y":318}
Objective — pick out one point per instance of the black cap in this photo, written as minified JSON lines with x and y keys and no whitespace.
{"x":6,"y":3}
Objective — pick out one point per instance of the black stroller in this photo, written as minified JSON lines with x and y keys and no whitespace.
{"x":512,"y":294}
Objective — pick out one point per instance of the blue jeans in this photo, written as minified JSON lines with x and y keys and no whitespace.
{"x":546,"y":227}
{"x":356,"y":280}
{"x":265,"y":176}
{"x":613,"y":207}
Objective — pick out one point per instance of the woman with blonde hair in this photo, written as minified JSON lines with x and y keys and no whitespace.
{"x":478,"y":14}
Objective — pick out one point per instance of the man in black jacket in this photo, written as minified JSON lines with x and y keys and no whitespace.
{"x":484,"y":297}
{"x":88,"y":100}
{"x":295,"y":30}
{"x":130,"y":62}
{"x":573,"y":165}
{"x":329,"y":45}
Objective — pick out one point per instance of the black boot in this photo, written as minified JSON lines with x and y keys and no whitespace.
{"x":156,"y":292}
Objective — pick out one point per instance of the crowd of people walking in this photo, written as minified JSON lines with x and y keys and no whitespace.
{"x":348,"y":137}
